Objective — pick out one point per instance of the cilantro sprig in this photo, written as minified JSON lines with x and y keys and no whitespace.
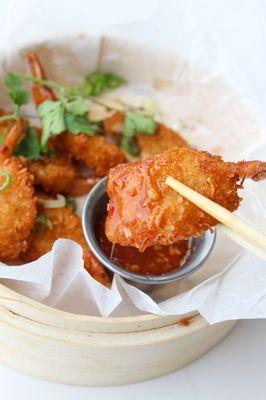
{"x":70,"y":111}
{"x":70,"y":202}
{"x":136,"y":123}
{"x":18,"y":95}
{"x":30,"y":147}
{"x":41,"y":223}
{"x":97,"y":82}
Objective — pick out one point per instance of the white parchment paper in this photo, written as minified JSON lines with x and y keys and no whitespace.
{"x":189,"y":93}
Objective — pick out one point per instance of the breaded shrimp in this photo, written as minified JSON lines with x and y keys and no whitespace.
{"x":95,"y":152}
{"x":163,"y":139}
{"x":60,"y":175}
{"x":17,"y":201}
{"x":64,"y":224}
{"x":16,"y":132}
{"x":143,"y":210}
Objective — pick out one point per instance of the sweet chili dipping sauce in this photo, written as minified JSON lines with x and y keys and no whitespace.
{"x":156,"y":260}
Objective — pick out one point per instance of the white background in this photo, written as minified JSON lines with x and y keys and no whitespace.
{"x":235,"y":369}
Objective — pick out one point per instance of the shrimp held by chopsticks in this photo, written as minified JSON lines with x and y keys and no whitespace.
{"x":17,"y":198}
{"x":143,"y":210}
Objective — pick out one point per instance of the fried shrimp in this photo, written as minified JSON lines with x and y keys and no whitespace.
{"x":95,"y":152}
{"x":59,"y":175}
{"x":13,"y":136}
{"x":163,"y":139}
{"x":17,"y":198}
{"x":144,"y":211}
{"x":63,"y":223}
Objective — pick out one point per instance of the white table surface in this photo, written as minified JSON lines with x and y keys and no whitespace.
{"x":235,"y":369}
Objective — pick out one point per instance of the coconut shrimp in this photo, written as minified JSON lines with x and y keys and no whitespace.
{"x":144,"y":211}
{"x":17,"y":198}
{"x":62,"y":223}
{"x":60,"y":175}
{"x":95,"y":152}
{"x":163,"y":139}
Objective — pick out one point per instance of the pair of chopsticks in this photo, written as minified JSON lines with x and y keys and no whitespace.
{"x":234,"y":227}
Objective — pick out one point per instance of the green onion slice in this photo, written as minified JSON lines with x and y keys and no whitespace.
{"x":42,"y":219}
{"x":59,"y":202}
{"x":8,"y":179}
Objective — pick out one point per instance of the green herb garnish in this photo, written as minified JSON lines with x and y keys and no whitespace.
{"x":72,"y":204}
{"x":53,"y":121}
{"x":97,"y":82}
{"x":2,"y":138}
{"x":130,"y":145}
{"x":30,"y":147}
{"x":18,"y":95}
{"x":137,"y":123}
{"x":77,"y":106}
{"x":42,"y":222}
{"x":7,"y":180}
{"x":79,"y":124}
{"x":70,"y":111}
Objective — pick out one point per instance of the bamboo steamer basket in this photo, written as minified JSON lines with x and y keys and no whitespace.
{"x":81,"y":350}
{"x":67,"y":348}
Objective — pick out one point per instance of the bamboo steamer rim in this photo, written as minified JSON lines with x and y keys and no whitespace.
{"x":151,"y":336}
{"x":48,"y":308}
{"x":36,"y":311}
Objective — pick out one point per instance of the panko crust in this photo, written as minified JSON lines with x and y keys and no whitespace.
{"x":60,"y":175}
{"x":67,"y":225}
{"x":96,"y":152}
{"x":54,"y":175}
{"x":143,"y":210}
{"x":17,"y":211}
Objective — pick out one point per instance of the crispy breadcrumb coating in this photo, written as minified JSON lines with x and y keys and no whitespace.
{"x":143,"y":210}
{"x":96,"y":152}
{"x":64,"y":224}
{"x":17,"y":201}
{"x":60,"y":175}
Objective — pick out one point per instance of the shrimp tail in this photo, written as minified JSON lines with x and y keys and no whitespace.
{"x":39,"y":92}
{"x":255,"y":170}
{"x":15,"y":135}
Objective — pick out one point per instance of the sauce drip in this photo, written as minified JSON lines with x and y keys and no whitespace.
{"x":155,"y":260}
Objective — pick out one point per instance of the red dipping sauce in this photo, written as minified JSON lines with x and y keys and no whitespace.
{"x":155,"y":260}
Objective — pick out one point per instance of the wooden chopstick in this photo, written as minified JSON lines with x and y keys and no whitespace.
{"x":233,"y":226}
{"x":242,"y":242}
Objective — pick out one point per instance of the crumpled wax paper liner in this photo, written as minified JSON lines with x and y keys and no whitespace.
{"x":209,"y":115}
